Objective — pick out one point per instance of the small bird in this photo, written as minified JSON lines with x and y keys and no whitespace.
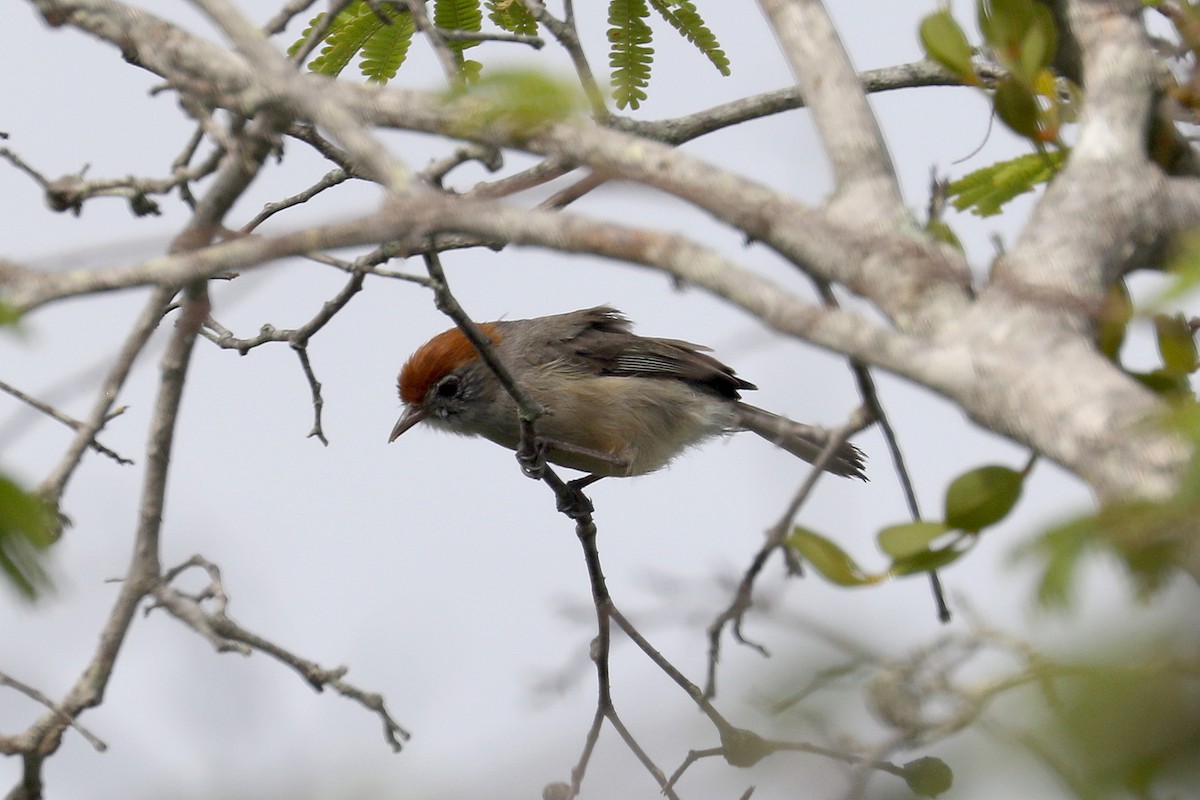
{"x":618,"y":404}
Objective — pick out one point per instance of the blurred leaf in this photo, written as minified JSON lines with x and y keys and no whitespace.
{"x":9,"y":316}
{"x":1176,"y":344}
{"x":1061,"y":551}
{"x":945,"y":43}
{"x":1182,"y":260}
{"x":982,"y":497}
{"x":25,"y":531}
{"x":1129,"y":725}
{"x":928,"y":776}
{"x":927,"y":560}
{"x":901,"y":541}
{"x":1164,"y":383}
{"x":1114,"y":321}
{"x":828,"y":559}
{"x":1017,"y":108}
{"x":942,"y":232}
{"x":986,"y":190}
{"x":1038,"y":43}
{"x":513,"y":100}
{"x":1146,"y":536}
{"x":742,"y":747}
{"x":1006,"y":26}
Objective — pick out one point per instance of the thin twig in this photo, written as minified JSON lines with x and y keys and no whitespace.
{"x":228,"y":636}
{"x":328,"y":181}
{"x":277,"y":23}
{"x":53,"y":485}
{"x":445,"y":54}
{"x":564,"y":31}
{"x":36,"y":696}
{"x":65,"y":419}
{"x":742,"y":601}
{"x":298,"y":340}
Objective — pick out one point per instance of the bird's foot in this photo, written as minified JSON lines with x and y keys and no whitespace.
{"x":531,"y":455}
{"x":571,"y":500}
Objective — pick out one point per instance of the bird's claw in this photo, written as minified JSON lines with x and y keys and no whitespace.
{"x":572,"y":502}
{"x":531,"y":455}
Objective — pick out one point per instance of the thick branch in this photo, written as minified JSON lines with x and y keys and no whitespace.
{"x":867,"y":190}
{"x":913,"y":280}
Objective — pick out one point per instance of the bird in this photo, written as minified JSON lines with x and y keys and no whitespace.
{"x":617,"y":404}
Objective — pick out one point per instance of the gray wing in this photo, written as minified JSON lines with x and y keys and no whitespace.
{"x":605,"y":345}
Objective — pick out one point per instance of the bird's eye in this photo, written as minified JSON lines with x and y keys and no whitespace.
{"x":449,"y":386}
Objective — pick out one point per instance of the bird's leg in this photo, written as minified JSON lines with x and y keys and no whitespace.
{"x":579,"y":484}
{"x":572,"y":501}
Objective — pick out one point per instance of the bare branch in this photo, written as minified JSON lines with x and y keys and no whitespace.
{"x":54,"y":484}
{"x":65,"y":419}
{"x":228,"y":636}
{"x":38,"y":697}
{"x":743,"y":598}
{"x":867,"y":192}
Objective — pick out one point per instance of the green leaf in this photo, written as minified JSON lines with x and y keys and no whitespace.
{"x":828,"y":559}
{"x":1114,"y":321}
{"x":1017,"y":108}
{"x":25,"y":531}
{"x":928,"y":776}
{"x":629,"y":54}
{"x":1182,"y":260}
{"x":986,"y":190}
{"x":945,"y":42}
{"x":982,"y":497}
{"x":1176,"y":344}
{"x":460,"y":15}
{"x":901,"y":541}
{"x":683,"y":17}
{"x":928,"y":560}
{"x":384,"y":52}
{"x":294,"y":47}
{"x":742,"y":747}
{"x":349,"y":33}
{"x":1004,"y":24}
{"x":941,"y":231}
{"x":1061,"y":551}
{"x":512,"y":16}
{"x":9,"y":316}
{"x":1164,"y":383}
{"x":1144,"y":534}
{"x":1038,"y":44}
{"x":519,"y":101}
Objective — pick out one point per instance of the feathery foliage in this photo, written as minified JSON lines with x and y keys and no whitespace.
{"x":683,"y":17}
{"x":512,"y":16}
{"x":459,"y":15}
{"x":359,"y":30}
{"x":356,"y":29}
{"x":386,"y":50}
{"x":985,"y":190}
{"x":630,"y":53}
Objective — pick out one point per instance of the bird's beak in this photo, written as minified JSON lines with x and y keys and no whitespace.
{"x":412,"y":415}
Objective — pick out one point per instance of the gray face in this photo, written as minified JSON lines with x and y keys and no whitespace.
{"x":471,"y":402}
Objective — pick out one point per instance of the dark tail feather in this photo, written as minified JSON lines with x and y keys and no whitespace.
{"x":802,"y":441}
